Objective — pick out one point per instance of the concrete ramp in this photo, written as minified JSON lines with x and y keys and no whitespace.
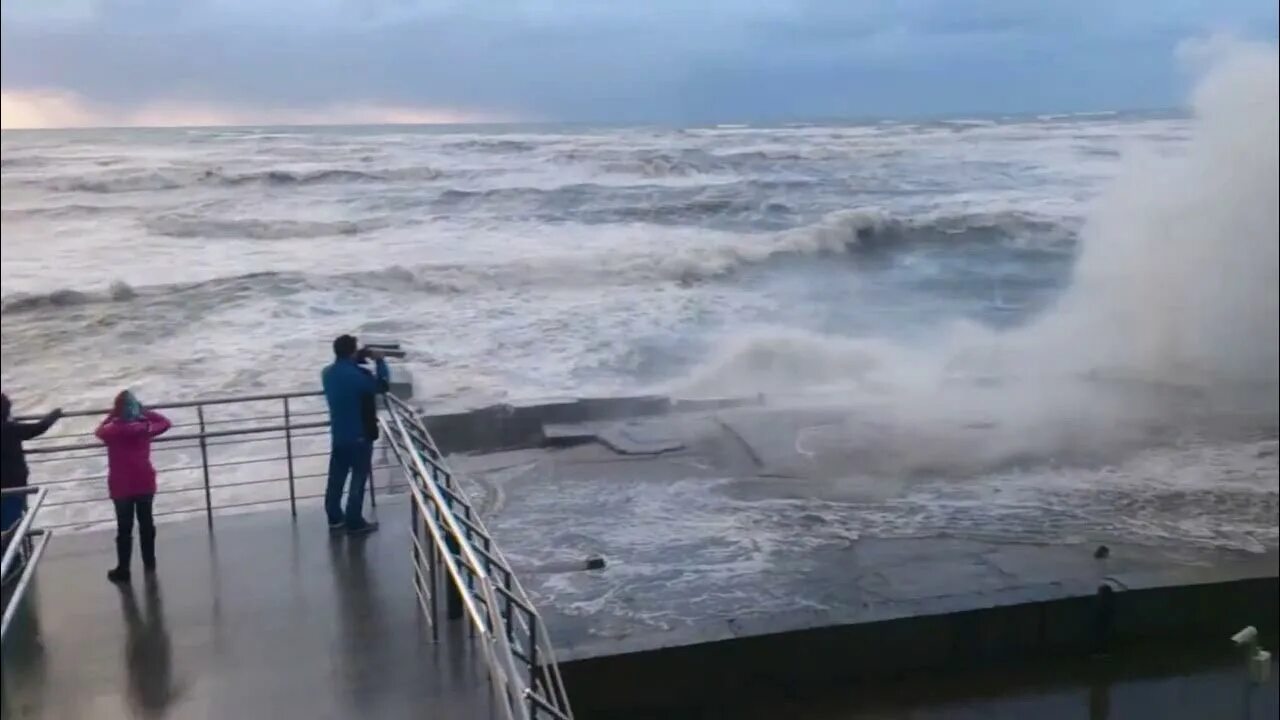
{"x":629,"y":437}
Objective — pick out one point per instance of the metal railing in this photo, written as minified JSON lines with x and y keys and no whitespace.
{"x":22,"y":541}
{"x":450,"y":540}
{"x":220,"y":454}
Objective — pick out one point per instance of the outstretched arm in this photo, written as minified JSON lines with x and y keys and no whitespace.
{"x":29,"y":430}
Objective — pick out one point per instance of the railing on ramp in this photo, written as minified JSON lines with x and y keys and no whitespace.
{"x":24,"y":543}
{"x":453,"y":550}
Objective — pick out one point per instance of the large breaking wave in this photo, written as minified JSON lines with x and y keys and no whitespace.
{"x":850,"y":234}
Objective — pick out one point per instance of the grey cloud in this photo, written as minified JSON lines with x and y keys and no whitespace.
{"x":585,"y":60}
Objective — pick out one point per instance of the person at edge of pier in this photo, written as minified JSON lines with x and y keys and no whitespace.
{"x":350,"y":390}
{"x":127,"y":431}
{"x":13,"y":463}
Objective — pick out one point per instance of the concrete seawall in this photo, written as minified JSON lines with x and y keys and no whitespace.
{"x":514,"y":426}
{"x":702,"y":677}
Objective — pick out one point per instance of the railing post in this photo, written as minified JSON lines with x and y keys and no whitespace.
{"x":452,"y":593}
{"x":373,"y":497}
{"x":533,"y":663}
{"x":288,"y":451}
{"x":204,"y":465}
{"x":433,"y":571}
{"x":422,"y":564}
{"x":506,"y":607}
{"x":433,"y":560}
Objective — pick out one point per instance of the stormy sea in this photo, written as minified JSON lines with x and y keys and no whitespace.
{"x":1072,"y":281}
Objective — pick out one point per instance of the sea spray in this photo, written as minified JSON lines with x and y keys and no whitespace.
{"x":1177,"y":281}
{"x":1168,"y":332}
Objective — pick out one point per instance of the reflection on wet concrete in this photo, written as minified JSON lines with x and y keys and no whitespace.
{"x":361,"y":619}
{"x":148,"y":652}
{"x":24,"y":682}
{"x":1100,"y":699}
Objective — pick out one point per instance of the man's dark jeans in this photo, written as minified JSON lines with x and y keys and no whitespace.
{"x":356,"y":459}
{"x":12,"y":507}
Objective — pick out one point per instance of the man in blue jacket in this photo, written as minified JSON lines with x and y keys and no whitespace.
{"x":350,"y":391}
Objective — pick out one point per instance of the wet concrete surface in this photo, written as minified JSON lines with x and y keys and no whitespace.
{"x":264,"y":618}
{"x":740,"y":525}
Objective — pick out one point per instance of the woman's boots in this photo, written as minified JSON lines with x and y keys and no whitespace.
{"x":124,"y":549}
{"x":147,"y":539}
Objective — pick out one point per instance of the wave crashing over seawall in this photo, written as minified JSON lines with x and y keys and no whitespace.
{"x":1176,"y":280}
{"x":1166,"y":337}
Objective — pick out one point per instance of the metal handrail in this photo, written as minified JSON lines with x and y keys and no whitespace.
{"x":189,"y":457}
{"x":42,"y":538}
{"x":18,"y":538}
{"x":207,"y":435}
{"x":536,"y":630}
{"x":20,"y":531}
{"x":224,"y":421}
{"x":206,"y":402}
{"x":472,"y":520}
{"x":524,"y":696}
{"x":499,"y":659}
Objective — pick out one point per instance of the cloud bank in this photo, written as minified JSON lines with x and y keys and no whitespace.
{"x":263,"y":61}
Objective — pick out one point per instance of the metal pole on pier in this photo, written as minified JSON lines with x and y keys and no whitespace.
{"x":204,"y":466}
{"x":288,"y":450}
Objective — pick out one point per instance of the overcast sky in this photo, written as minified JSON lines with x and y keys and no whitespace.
{"x":76,"y":62}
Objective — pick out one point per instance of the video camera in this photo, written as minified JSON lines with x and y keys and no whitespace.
{"x":388,"y":350}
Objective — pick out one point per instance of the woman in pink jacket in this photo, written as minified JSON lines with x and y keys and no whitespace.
{"x":127,"y":432}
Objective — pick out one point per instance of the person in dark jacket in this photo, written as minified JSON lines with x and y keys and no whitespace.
{"x":13,"y":460}
{"x":350,"y":391}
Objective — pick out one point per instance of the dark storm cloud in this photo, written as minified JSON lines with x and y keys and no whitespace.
{"x":661,"y":60}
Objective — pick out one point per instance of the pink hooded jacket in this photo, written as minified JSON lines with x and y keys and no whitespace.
{"x":129,"y":470}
